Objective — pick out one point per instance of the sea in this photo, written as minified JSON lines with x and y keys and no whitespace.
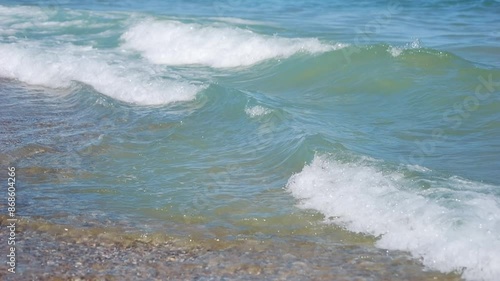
{"x":370,"y":123}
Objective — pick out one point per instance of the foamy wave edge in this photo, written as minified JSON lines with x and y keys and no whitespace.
{"x":115,"y":77}
{"x":177,"y":43}
{"x":449,"y":227}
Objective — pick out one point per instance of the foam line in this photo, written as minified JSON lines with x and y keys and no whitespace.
{"x":176,"y":43}
{"x":114,"y":77}
{"x":452,"y":226}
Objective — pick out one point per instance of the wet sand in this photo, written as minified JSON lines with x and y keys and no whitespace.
{"x":47,"y":251}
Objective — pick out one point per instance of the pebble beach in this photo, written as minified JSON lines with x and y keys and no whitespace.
{"x":56,"y":252}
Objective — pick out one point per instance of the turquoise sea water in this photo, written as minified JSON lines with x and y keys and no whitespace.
{"x":263,"y":119}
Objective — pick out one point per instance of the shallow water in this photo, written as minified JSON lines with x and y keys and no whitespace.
{"x":303,"y":121}
{"x":107,"y":252}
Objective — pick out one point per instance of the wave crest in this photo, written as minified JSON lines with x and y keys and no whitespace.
{"x":58,"y":67}
{"x":176,"y":43}
{"x":450,"y":226}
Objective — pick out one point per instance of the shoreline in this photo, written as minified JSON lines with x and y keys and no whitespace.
{"x":49,"y":251}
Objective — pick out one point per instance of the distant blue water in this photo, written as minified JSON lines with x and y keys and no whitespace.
{"x":381,"y":116}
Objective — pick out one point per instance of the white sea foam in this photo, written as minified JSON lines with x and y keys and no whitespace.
{"x":14,"y":18}
{"x":111,"y":75}
{"x":23,"y":22}
{"x":454,"y":225}
{"x":176,"y":43}
{"x":396,"y":51}
{"x":255,"y":111}
{"x":241,"y":21}
{"x":12,"y":13}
